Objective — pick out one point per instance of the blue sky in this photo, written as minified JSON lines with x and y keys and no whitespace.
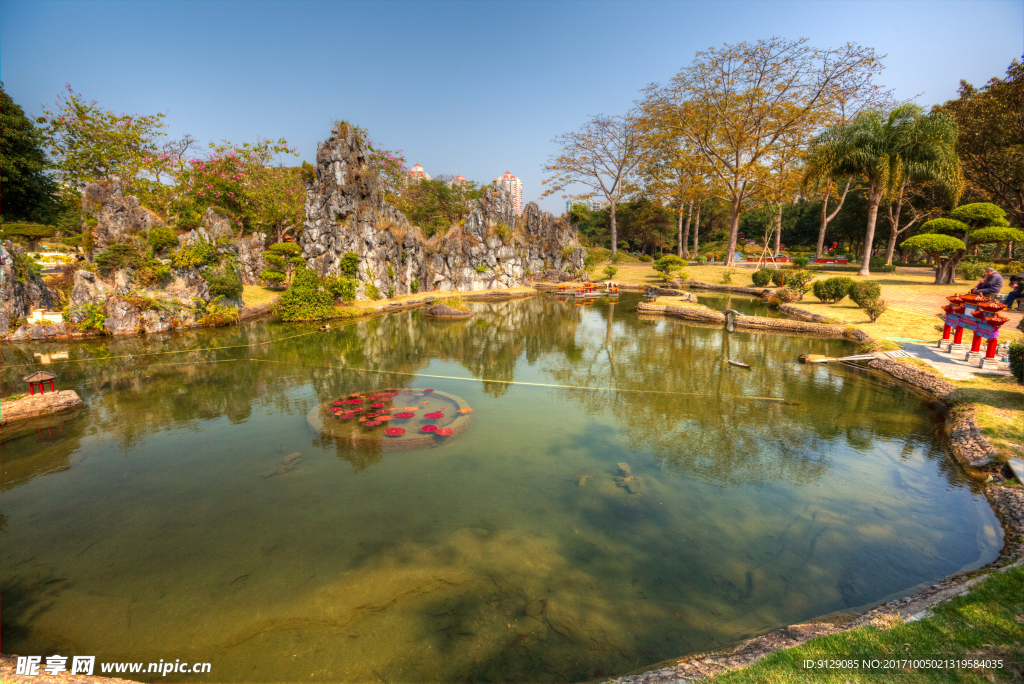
{"x":461,"y":87}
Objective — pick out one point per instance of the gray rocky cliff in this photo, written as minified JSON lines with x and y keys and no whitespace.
{"x":346,"y":212}
{"x":20,"y":291}
{"x":117,"y":218}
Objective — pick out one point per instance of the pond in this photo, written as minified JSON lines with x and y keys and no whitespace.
{"x":616,"y":494}
{"x":748,"y":306}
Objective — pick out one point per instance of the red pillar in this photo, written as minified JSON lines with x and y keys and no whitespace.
{"x":31,"y":388}
{"x":945,"y":331}
{"x":976,"y":343}
{"x":958,"y":336}
{"x":51,"y":386}
{"x":990,"y":349}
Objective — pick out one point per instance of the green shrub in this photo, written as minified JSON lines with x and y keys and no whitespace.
{"x":874,"y":308}
{"x":188,"y":220}
{"x":272,"y":276}
{"x":223,"y":284}
{"x":481,"y":269}
{"x":801,"y":261}
{"x":505,"y":232}
{"x":1017,"y":360}
{"x":305,"y":299}
{"x":391,"y":272}
{"x":727,"y":276}
{"x":284,"y":249}
{"x":799,"y":281}
{"x":1011,"y":268}
{"x":95,"y":314}
{"x":973,"y":270}
{"x":198,"y":253}
{"x":161,"y":237}
{"x":610,"y":271}
{"x":72,"y":241}
{"x":349,"y":264}
{"x":778,"y":277}
{"x":832,"y":290}
{"x":616,"y":259}
{"x":701,"y":259}
{"x":862,"y":293}
{"x":762,"y":277}
{"x":683,"y":275}
{"x":667,"y":265}
{"x":217,"y":313}
{"x":590,"y":262}
{"x":342,"y":287}
{"x":414,"y":286}
{"x":116,"y":257}
{"x":644,"y":258}
{"x":371,"y":291}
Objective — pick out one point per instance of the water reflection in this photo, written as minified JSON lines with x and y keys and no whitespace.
{"x":151,"y":528}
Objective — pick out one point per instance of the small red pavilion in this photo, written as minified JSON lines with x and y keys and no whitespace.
{"x":41,"y":378}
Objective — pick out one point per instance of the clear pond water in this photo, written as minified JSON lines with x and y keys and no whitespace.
{"x":193,"y":511}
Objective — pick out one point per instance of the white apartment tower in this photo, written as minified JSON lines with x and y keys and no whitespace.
{"x":514,"y":187}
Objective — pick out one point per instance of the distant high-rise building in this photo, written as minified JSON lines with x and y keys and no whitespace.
{"x":514,"y":187}
{"x":417,"y":173}
{"x":590,"y":203}
{"x":460,"y":180}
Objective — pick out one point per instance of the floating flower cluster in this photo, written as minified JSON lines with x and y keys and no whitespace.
{"x":436,"y":415}
{"x":394,"y":432}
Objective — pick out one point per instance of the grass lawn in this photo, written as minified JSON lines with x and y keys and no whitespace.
{"x":256,"y":295}
{"x":988,"y":621}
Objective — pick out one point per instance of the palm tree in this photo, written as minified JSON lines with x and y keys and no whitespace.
{"x":885,"y":150}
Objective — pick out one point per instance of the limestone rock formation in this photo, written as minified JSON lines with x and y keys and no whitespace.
{"x":88,"y":289}
{"x":20,"y":290}
{"x":250,"y":258}
{"x":217,"y":225}
{"x":116,"y":217}
{"x":346,"y":212}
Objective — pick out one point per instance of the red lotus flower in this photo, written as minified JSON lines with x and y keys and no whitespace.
{"x":347,"y":415}
{"x":354,"y":401}
{"x":436,"y":415}
{"x":363,"y":419}
{"x":339,"y":402}
{"x":405,"y":415}
{"x":372,"y":423}
{"x":381,"y":418}
{"x":444,"y":432}
{"x":429,"y":428}
{"x":428,"y":390}
{"x":465,"y":410}
{"x":371,"y":415}
{"x":356,"y":410}
{"x":355,"y":394}
{"x":377,"y":405}
{"x":394,"y":432}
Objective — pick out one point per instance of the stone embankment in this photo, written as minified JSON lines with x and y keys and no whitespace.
{"x":37,"y":405}
{"x":705,"y":315}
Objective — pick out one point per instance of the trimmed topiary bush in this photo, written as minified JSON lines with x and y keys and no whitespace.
{"x":832,"y":290}
{"x":778,"y":276}
{"x":305,"y":299}
{"x":874,"y":308}
{"x":610,"y":271}
{"x":801,"y":261}
{"x":762,"y":277}
{"x":862,"y":293}
{"x":701,"y":259}
{"x":118,"y":256}
{"x":1017,"y":360}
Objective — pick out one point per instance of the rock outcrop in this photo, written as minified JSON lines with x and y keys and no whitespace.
{"x":116,"y":217}
{"x":250,"y":257}
{"x":21,"y":290}
{"x":346,"y":212}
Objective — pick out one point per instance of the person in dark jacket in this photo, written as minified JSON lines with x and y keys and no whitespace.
{"x":1016,"y":292}
{"x":991,"y":285}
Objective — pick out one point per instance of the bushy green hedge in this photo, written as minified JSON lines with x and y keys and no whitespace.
{"x":1017,"y":360}
{"x":973,"y":270}
{"x":862,"y":293}
{"x":832,"y":290}
{"x":306,"y":299}
{"x":762,"y":277}
{"x":344,"y":287}
{"x":29,"y":231}
{"x":199,"y":253}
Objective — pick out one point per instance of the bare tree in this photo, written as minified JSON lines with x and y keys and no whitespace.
{"x":734,"y":104}
{"x":603,"y":156}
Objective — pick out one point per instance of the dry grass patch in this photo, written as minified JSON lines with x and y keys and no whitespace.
{"x":257,"y":295}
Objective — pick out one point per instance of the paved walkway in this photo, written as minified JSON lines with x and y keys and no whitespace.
{"x":953,"y":367}
{"x":931,"y":303}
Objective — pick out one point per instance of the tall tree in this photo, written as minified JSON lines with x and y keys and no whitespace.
{"x":87,"y":143}
{"x":735,"y":104}
{"x":603,"y":156}
{"x":991,"y":139}
{"x":886,"y":149}
{"x":911,"y":204}
{"x":29,"y":193}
